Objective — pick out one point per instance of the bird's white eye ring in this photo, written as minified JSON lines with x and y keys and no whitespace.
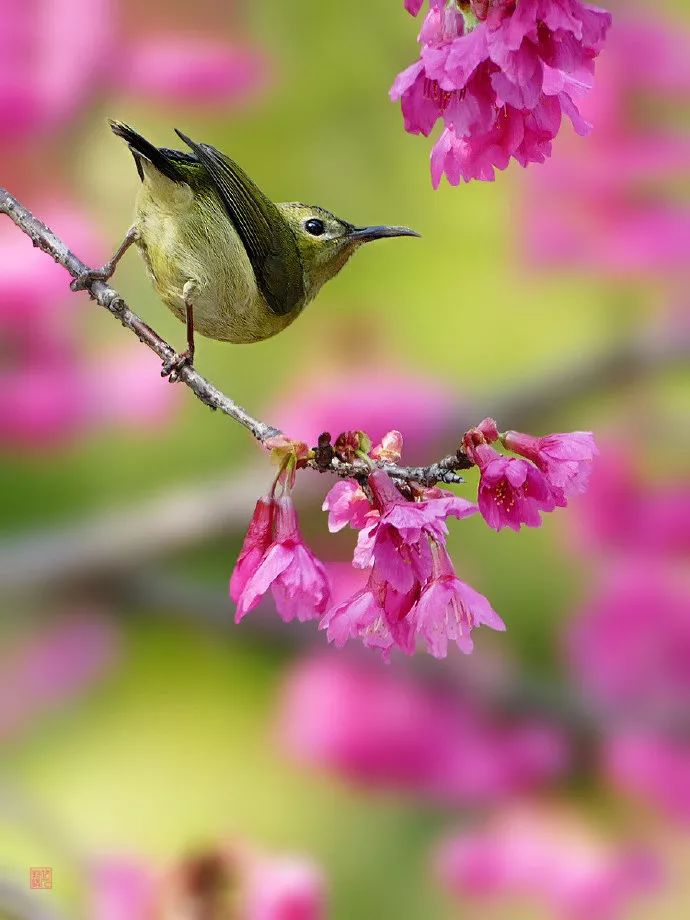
{"x":315,"y":226}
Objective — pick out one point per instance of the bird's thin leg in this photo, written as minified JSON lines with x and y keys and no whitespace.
{"x":172,"y":368}
{"x":106,"y":271}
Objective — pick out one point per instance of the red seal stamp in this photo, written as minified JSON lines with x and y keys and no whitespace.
{"x":41,"y":877}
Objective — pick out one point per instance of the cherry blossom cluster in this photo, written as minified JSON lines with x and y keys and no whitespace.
{"x":500,"y":75}
{"x":412,"y":595}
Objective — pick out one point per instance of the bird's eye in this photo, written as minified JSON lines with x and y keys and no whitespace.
{"x":315,"y":226}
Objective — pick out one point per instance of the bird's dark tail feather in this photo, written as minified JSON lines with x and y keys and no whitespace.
{"x":140,"y":147}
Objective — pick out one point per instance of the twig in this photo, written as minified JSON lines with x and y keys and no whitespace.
{"x":203,"y":389}
{"x":107,"y":544}
{"x":106,"y":296}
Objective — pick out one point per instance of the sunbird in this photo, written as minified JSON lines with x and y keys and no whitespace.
{"x":223,"y":257}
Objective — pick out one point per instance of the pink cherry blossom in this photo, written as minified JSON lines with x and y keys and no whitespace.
{"x":345,"y":580}
{"x":448,"y":609}
{"x":51,"y":55}
{"x":257,"y":540}
{"x":346,"y":504}
{"x":512,"y":492}
{"x":500,"y":78}
{"x":556,"y":861}
{"x":488,"y":430}
{"x":376,"y":614}
{"x":381,"y":729}
{"x":390,"y":448}
{"x":652,"y":767}
{"x":275,"y":556}
{"x":179,"y":68}
{"x":629,"y":648}
{"x":566,"y":460}
{"x":397,"y":542}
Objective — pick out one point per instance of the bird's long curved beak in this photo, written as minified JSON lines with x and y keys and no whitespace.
{"x":366,"y":234}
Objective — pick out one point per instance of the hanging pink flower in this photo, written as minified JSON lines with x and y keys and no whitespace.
{"x":403,"y":543}
{"x":376,"y":614}
{"x":275,"y":556}
{"x":256,"y":542}
{"x":448,"y":609}
{"x":512,"y":492}
{"x":397,"y":542}
{"x":346,"y":504}
{"x":500,"y":76}
{"x":566,"y":460}
{"x":390,"y":448}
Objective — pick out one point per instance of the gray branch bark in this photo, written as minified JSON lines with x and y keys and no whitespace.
{"x":108,"y":544}
{"x":203,"y":389}
{"x":108,"y":297}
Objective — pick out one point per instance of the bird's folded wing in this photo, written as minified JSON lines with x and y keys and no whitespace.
{"x":267,"y":238}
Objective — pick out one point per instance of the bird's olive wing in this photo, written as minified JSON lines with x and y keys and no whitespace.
{"x":267,"y":238}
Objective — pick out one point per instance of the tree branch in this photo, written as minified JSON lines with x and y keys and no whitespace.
{"x":107,"y":544}
{"x":203,"y":389}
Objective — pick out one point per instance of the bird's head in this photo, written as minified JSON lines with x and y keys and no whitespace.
{"x":326,"y":242}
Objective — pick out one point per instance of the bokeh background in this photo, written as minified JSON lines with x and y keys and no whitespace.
{"x":546,"y":776}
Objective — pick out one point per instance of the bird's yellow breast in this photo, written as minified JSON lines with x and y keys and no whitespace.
{"x":191,"y":248}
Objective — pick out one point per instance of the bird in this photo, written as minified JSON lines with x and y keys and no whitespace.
{"x":223,"y":257}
